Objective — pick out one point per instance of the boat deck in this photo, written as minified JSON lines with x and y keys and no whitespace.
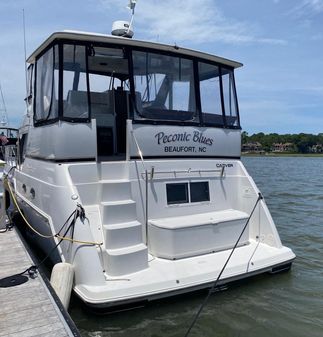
{"x":166,"y":277}
{"x":28,"y":309}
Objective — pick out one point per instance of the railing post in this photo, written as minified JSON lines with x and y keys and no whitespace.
{"x":146,"y":206}
{"x":222,"y":171}
{"x":146,"y":184}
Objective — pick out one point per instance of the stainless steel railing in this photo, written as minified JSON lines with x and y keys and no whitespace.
{"x":175,"y":173}
{"x":145,"y":177}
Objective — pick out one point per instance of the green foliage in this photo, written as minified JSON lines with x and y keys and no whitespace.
{"x":302,"y":142}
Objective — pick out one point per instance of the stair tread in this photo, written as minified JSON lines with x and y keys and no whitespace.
{"x":114,"y":181}
{"x":127,"y":250}
{"x":118,"y":202}
{"x":122,"y":225}
{"x":91,"y":208}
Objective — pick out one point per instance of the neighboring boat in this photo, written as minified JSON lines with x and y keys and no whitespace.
{"x":8,"y":136}
{"x":8,"y":140}
{"x":143,"y":140}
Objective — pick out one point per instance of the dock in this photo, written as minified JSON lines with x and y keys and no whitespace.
{"x":32,"y":308}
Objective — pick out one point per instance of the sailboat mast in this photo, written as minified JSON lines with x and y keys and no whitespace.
{"x":3,"y":110}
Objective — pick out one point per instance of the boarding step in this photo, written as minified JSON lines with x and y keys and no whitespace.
{"x":123,"y":234}
{"x":197,"y":234}
{"x":115,"y":212}
{"x":126,"y":260}
{"x":114,"y":170}
{"x":114,"y":190}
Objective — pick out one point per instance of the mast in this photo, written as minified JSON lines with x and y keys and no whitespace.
{"x":3,"y":110}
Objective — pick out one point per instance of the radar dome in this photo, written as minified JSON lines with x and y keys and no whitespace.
{"x":122,"y":28}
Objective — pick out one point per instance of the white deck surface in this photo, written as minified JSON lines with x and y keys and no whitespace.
{"x":199,"y":219}
{"x":164,"y":276}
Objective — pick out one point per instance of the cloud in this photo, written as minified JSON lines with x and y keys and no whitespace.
{"x":315,"y":6}
{"x":191,"y":21}
{"x":308,"y":8}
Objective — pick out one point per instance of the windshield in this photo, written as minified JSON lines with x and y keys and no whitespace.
{"x":211,"y":78}
{"x":90,"y":77}
{"x":80,"y":82}
{"x":165,"y":90}
{"x":164,"y":87}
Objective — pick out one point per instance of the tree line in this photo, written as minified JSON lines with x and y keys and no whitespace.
{"x":302,"y":141}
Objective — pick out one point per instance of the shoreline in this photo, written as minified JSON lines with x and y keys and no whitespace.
{"x":308,"y":155}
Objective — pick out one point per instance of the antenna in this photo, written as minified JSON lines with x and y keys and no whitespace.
{"x":131,"y":6}
{"x":24,"y":29}
{"x":4,"y":115}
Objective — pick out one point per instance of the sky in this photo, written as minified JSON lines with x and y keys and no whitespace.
{"x":280,"y":43}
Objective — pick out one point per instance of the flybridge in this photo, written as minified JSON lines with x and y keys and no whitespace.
{"x":120,"y":87}
{"x":104,"y":38}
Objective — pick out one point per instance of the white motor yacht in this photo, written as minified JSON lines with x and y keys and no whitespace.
{"x":143,"y":140}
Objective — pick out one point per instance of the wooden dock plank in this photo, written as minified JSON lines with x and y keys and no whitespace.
{"x":26,"y":310}
{"x":57,"y":333}
{"x":39,"y":311}
{"x":23,"y":325}
{"x":44,"y":330}
{"x":23,"y":304}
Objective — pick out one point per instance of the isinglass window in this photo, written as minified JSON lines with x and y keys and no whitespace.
{"x":164,"y":86}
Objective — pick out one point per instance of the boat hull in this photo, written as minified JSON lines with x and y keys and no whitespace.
{"x":118,"y":257}
{"x":179,"y":281}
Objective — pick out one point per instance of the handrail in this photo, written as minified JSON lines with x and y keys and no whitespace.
{"x":139,"y":150}
{"x":146,"y":184}
{"x":188,"y":171}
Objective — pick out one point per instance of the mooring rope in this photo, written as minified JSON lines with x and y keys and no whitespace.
{"x":16,"y":279}
{"x":79,"y":212}
{"x":79,"y":209}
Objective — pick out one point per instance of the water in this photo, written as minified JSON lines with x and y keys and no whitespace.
{"x":288,"y":304}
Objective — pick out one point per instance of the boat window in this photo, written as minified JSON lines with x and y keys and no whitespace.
{"x":110,"y":65}
{"x":182,"y":193}
{"x":209,"y":78}
{"x":164,"y":87}
{"x":30,"y":82}
{"x":46,"y":104}
{"x":75,"y":91}
{"x":108,"y":69}
{"x":108,"y":73}
{"x":177,"y":193}
{"x":230,"y":103}
{"x":199,"y":191}
{"x":9,"y":133}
